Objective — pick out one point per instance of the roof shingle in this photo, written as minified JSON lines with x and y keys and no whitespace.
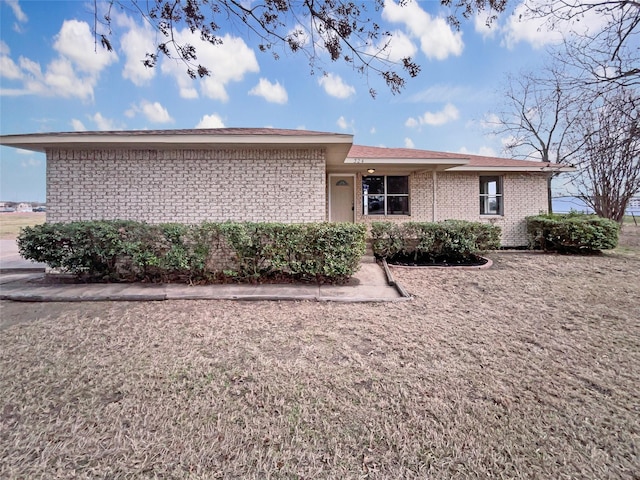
{"x":362,"y":151}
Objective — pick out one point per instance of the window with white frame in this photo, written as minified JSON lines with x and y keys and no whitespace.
{"x":385,"y":195}
{"x":491,"y":195}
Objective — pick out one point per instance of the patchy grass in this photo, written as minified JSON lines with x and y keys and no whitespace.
{"x":529,"y":369}
{"x":12,"y":222}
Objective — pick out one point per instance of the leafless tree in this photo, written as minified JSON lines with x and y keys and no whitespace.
{"x":608,"y":160}
{"x":539,"y":114}
{"x":610,"y":55}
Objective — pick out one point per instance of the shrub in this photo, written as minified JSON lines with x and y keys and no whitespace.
{"x":82,"y":248}
{"x":572,"y":233}
{"x":451,"y":239}
{"x":133,"y":251}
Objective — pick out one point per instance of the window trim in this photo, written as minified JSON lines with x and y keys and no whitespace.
{"x":386,"y":195}
{"x":485,"y":197}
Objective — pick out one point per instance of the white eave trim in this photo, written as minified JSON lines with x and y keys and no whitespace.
{"x":394,"y":162}
{"x":545,"y":169}
{"x":40,"y":143}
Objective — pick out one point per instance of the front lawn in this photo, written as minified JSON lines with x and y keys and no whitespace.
{"x":528,"y":369}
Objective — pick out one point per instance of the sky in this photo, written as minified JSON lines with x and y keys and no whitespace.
{"x":53,"y":78}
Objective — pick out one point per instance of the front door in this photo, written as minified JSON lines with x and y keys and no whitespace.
{"x":341,"y":198}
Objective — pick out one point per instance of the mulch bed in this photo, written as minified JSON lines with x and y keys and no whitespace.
{"x":422,"y":260}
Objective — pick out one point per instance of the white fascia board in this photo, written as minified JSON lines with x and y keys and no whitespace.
{"x":40,"y":143}
{"x":512,"y":169}
{"x":404,"y":161}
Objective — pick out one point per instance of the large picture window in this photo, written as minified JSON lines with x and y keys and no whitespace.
{"x":385,"y":195}
{"x":491,"y":195}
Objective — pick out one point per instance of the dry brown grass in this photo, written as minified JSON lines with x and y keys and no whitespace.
{"x":529,"y":369}
{"x":11,"y":223}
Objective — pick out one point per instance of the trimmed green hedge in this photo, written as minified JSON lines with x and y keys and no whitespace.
{"x":451,"y":239}
{"x":572,"y":233}
{"x":128,"y":251}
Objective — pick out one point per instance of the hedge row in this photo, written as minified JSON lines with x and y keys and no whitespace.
{"x":127,"y":251}
{"x":454,"y":240}
{"x":572,"y":233}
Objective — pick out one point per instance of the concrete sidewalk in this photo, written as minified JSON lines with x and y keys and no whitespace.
{"x":11,"y":261}
{"x":21,"y":280}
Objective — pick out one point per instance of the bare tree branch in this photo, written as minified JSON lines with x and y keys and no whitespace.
{"x":341,"y":28}
{"x":609,"y":174}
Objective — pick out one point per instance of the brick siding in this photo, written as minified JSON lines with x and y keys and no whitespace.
{"x":252,"y":184}
{"x":458,"y":198}
{"x":188,"y":186}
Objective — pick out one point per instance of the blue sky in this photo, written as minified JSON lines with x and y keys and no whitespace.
{"x":52,"y":79}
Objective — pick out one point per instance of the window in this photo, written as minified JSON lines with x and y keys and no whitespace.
{"x":491,"y":195}
{"x":385,"y":195}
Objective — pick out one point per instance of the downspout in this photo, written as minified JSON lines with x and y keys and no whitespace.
{"x":549,"y":194}
{"x":434,"y":203}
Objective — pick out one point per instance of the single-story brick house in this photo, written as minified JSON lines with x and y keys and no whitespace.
{"x":278,"y":175}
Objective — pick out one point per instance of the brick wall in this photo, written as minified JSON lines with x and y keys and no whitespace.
{"x":189,"y":186}
{"x":458,"y":198}
{"x":524,"y":194}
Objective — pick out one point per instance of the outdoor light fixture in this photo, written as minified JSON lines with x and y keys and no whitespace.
{"x":371,"y":170}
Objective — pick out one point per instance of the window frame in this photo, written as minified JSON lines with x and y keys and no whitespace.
{"x":386,"y":195}
{"x":485,"y":195}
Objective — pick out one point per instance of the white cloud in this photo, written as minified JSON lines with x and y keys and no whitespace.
{"x":336,"y":87}
{"x":74,"y":73}
{"x":210,"y":121}
{"x":135,"y":44}
{"x":411,"y":122}
{"x":8,"y":68}
{"x":21,"y":17}
{"x":228,"y":62}
{"x":344,"y":124}
{"x":30,"y":66}
{"x":396,"y":47}
{"x":490,"y":121}
{"x":17,"y":11}
{"x":448,"y":114}
{"x":271,"y":92}
{"x":437,"y":39}
{"x":153,"y":112}
{"x":62,"y":79}
{"x":482,"y":151}
{"x":104,"y":123}
{"x":75,"y":43}
{"x":508,"y":140}
{"x":480,"y":24}
{"x":77,"y":125}
{"x":446,"y":92}
{"x":487,"y":152}
{"x":521,"y":26}
{"x":299,"y":34}
{"x":188,"y":93}
{"x":408,"y":143}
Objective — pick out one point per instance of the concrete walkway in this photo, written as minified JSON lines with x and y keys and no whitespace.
{"x":21,"y":280}
{"x":10,"y":259}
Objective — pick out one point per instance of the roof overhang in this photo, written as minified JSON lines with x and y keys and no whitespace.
{"x":422,"y":162}
{"x":337,"y":145}
{"x":389,"y":164}
{"x":530,"y":169}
